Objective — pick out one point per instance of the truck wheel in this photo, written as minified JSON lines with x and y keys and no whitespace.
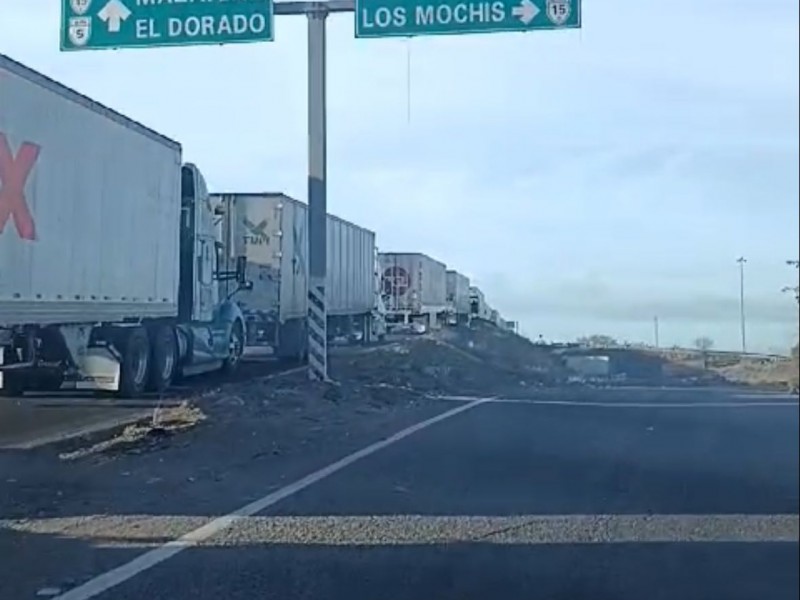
{"x":135,"y":365}
{"x":235,"y":349}
{"x":163,"y":358}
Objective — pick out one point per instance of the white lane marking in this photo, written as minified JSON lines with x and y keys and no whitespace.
{"x":763,"y":404}
{"x":462,"y":398}
{"x":776,"y":396}
{"x":648,"y":404}
{"x":115,"y":531}
{"x":148,"y":560}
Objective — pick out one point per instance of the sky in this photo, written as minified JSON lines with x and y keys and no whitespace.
{"x":588,"y":181}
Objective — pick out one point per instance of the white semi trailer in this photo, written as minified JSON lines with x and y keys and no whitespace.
{"x":108,"y":249}
{"x":458,"y":305}
{"x":479,"y":309}
{"x":270,"y":230}
{"x":414,"y":288}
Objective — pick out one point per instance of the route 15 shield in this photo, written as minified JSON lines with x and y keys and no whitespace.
{"x":80,"y":29}
{"x":558,"y":11}
{"x":80,"y":7}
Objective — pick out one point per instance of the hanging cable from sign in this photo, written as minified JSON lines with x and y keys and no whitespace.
{"x":408,"y":80}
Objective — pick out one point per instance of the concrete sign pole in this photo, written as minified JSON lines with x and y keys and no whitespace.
{"x":317,"y":198}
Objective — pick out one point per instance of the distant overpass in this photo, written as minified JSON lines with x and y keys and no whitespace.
{"x":733,"y":355}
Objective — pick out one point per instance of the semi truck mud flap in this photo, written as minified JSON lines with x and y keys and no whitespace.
{"x":99,"y":370}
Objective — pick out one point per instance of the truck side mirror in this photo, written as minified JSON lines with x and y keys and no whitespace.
{"x":241,"y":269}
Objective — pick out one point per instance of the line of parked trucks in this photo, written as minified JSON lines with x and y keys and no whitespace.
{"x":121,"y":272}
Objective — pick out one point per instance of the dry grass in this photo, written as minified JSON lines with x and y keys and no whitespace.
{"x":163,"y":423}
{"x":779,"y":375}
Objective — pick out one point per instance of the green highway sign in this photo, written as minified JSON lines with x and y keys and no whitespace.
{"x":405,"y":18}
{"x":99,"y":24}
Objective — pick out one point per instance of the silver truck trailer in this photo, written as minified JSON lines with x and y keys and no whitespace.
{"x":414,"y":288}
{"x":108,"y":270}
{"x":457,"y":298}
{"x":479,"y":309}
{"x":512,"y":326}
{"x":270,"y":230}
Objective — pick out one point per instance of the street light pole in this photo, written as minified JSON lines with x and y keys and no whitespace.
{"x":742,"y":260}
{"x":655,"y":327}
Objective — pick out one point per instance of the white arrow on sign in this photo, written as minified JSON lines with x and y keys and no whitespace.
{"x":114,"y":13}
{"x":526,"y":11}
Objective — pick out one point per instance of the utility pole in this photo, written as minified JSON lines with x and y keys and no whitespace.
{"x":795,"y":289}
{"x":655,"y":328}
{"x":742,"y":260}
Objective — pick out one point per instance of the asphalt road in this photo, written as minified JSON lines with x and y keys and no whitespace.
{"x":609,"y":494}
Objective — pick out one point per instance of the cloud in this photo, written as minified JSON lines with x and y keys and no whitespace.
{"x":585,"y":179}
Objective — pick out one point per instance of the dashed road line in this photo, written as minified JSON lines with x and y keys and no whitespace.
{"x":594,"y":403}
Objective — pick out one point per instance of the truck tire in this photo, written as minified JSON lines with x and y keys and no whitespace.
{"x":163,"y":357}
{"x":134,"y":368}
{"x":235,"y":349}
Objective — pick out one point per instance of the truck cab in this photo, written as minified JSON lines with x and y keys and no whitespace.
{"x":210,"y":325}
{"x":208,"y":331}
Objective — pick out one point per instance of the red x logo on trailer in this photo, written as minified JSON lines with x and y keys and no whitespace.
{"x":14,"y":173}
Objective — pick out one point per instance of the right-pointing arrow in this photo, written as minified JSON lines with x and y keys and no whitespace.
{"x":526,"y":11}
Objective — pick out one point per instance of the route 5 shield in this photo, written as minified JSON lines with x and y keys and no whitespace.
{"x":80,"y":30}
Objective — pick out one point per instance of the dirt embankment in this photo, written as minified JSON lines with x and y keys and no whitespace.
{"x":507,"y":352}
{"x":449,"y":362}
{"x":778,"y":375}
{"x":775,"y":374}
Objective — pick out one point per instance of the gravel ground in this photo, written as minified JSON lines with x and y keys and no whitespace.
{"x":223,"y":448}
{"x":220,"y":428}
{"x":391,"y":530}
{"x":159,"y":478}
{"x":196,"y":460}
{"x":193,"y":453}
